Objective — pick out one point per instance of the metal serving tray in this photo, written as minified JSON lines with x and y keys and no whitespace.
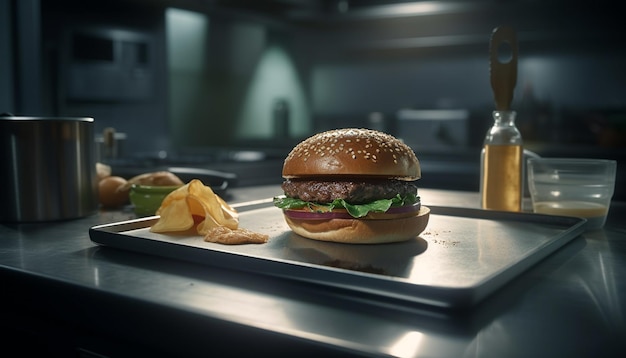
{"x":462,"y":257}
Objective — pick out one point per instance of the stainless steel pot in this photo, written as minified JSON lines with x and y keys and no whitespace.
{"x":47,"y":168}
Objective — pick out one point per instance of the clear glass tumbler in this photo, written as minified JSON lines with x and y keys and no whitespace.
{"x":572,"y":187}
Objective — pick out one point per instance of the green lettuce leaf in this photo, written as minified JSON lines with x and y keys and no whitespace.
{"x":355,"y":210}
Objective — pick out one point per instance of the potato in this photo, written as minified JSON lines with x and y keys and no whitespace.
{"x":109,"y":192}
{"x":162,"y":178}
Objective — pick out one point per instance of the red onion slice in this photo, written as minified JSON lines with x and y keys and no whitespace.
{"x":343,"y":214}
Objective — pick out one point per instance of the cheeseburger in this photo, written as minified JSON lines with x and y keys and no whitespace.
{"x":352,"y":186}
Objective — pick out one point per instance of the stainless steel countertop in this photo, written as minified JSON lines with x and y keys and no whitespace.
{"x":57,"y":283}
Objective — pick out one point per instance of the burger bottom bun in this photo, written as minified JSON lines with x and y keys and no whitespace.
{"x":358,"y":231}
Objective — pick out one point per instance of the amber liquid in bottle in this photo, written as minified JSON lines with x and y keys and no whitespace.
{"x":502,"y":179}
{"x":501,"y":165}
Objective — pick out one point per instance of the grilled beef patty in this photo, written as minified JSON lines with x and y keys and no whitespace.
{"x":352,"y":191}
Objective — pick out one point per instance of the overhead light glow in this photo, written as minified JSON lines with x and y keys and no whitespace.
{"x":408,"y":345}
{"x":275,"y":78}
{"x":410,"y":9}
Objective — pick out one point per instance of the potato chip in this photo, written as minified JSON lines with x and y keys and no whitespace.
{"x":178,"y":209}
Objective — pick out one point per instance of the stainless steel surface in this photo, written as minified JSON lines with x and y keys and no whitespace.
{"x":463,"y":256}
{"x":57,"y":282}
{"x":47,"y":168}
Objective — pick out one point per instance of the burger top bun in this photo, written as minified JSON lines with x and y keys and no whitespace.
{"x":361,"y":152}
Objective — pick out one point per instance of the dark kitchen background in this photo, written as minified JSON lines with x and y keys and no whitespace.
{"x":232,"y":85}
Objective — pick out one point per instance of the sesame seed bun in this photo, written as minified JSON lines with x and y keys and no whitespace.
{"x":351,"y":151}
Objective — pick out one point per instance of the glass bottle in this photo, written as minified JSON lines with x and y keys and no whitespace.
{"x":501,"y":165}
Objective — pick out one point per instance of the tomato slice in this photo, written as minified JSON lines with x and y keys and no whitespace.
{"x":399,"y":211}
